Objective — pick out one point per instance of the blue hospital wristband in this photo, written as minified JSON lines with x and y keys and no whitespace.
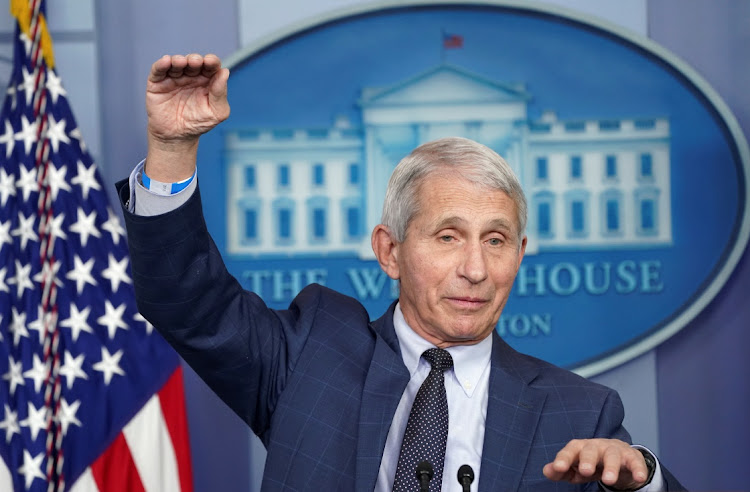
{"x":165,"y":189}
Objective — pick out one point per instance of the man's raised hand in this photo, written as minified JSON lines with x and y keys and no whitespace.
{"x":186,"y":96}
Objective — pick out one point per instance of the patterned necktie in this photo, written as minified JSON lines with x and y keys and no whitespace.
{"x":427,"y":429}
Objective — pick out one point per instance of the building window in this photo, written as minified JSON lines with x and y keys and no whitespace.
{"x":251,"y":224}
{"x":576,"y":167}
{"x":317,"y":219}
{"x":250,"y":177}
{"x":545,"y":214}
{"x":542,"y":171}
{"x":319,"y":223}
{"x":648,"y":222}
{"x":613,"y":215}
{"x":285,"y":224}
{"x":647,"y":210}
{"x":318,"y":175}
{"x":354,"y":174}
{"x":576,"y":208}
{"x":283,"y":214}
{"x":577,"y":217}
{"x":544,"y":219}
{"x":611,"y":167}
{"x":352,"y":222}
{"x":647,"y":169}
{"x":283,"y":175}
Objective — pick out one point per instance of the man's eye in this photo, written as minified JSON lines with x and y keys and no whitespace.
{"x":446,"y":238}
{"x":495,"y":241}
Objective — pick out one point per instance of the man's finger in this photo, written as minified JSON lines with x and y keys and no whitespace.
{"x":612,"y":459}
{"x":160,"y":68}
{"x":194,"y":65}
{"x":179,"y":62}
{"x":637,"y":466}
{"x":588,"y":459}
{"x":211,"y":64}
{"x":568,"y":456}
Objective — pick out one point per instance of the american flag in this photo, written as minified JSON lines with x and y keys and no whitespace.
{"x":452,"y":41}
{"x":91,"y":398}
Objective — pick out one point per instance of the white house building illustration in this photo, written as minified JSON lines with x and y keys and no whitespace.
{"x":596,"y":183}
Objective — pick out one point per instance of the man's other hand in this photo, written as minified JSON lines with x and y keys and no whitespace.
{"x":613,"y":462}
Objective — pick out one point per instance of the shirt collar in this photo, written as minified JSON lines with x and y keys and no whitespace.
{"x":469,"y":361}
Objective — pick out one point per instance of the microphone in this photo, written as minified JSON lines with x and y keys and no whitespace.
{"x":424,"y":475}
{"x":465,"y":477}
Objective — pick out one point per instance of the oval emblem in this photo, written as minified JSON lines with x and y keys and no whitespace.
{"x":636,"y":173}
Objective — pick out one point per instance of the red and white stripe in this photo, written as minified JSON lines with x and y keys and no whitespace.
{"x":150,"y":454}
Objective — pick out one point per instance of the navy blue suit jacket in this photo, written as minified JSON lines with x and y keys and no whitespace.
{"x":319,"y":383}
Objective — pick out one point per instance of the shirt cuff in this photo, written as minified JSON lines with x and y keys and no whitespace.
{"x":148,"y":203}
{"x":657,"y":482}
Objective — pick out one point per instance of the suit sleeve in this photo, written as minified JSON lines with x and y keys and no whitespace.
{"x":242,"y":349}
{"x":610,"y":426}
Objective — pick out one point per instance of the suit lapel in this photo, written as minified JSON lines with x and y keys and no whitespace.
{"x":386,"y":380}
{"x":513,"y":411}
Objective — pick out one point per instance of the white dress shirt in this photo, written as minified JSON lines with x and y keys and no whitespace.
{"x":466,"y":387}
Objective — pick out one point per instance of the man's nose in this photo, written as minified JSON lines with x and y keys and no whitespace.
{"x":474,"y":264}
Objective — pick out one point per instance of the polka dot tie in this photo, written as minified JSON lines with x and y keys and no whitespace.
{"x":427,"y":429}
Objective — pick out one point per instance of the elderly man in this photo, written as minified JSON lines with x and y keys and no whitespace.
{"x":342,"y":403}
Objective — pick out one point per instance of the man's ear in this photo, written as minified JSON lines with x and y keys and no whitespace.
{"x":521,"y":252}
{"x":386,"y":250}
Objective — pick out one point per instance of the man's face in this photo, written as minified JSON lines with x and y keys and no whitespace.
{"x":458,"y":260}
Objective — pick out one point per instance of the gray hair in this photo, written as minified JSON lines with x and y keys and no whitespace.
{"x":477,"y":163}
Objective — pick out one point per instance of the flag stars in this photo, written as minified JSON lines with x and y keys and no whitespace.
{"x":67,"y":415}
{"x":78,"y":321}
{"x":28,"y":84}
{"x":18,"y":326}
{"x":36,"y":420}
{"x":3,"y":284}
{"x":84,"y":226}
{"x":112,"y":318}
{"x":40,"y":323}
{"x":54,"y":86}
{"x":5,"y":236}
{"x":32,"y":467}
{"x":10,"y":424}
{"x":27,"y":181}
{"x":55,"y":179}
{"x":38,"y":373}
{"x":21,"y":278}
{"x":11,"y":92}
{"x":76,"y":133}
{"x":27,"y":133}
{"x":7,"y":186}
{"x":25,"y":229}
{"x":56,"y":132}
{"x":14,"y":376}
{"x":55,"y":227}
{"x":72,"y":369}
{"x":81,"y":273}
{"x":113,"y":226}
{"x":26,"y":42}
{"x":149,"y":326}
{"x":48,"y":274}
{"x":8,"y":138}
{"x":86,"y":179}
{"x":109,"y":365}
{"x":115,"y":272}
